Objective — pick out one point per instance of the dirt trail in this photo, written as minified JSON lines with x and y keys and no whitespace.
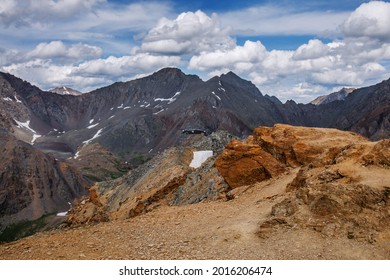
{"x":213,"y":230}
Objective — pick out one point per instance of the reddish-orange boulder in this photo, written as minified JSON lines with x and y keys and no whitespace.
{"x":243,"y":164}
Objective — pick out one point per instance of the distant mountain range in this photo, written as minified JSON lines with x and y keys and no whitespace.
{"x":130,"y":122}
{"x":338,"y":95}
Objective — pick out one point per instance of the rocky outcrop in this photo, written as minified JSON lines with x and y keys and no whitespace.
{"x":333,"y":203}
{"x":340,"y":189}
{"x":271,"y":150}
{"x":296,"y":146}
{"x":139,"y":191}
{"x":243,"y":164}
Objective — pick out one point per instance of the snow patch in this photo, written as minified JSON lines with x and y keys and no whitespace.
{"x":120,"y":107}
{"x":216,"y":95}
{"x":158,"y":112}
{"x":91,"y":121}
{"x":25,"y":125}
{"x":17,"y":100}
{"x":200,"y":157}
{"x":222,"y":89}
{"x":97,"y":134}
{"x":169,"y":100}
{"x":111,"y":117}
{"x":128,"y":107}
{"x":62,"y":214}
{"x":35,"y":137}
{"x":112,"y":108}
{"x":92,"y":125}
{"x":145,"y":106}
{"x":7,"y":99}
{"x":77,"y":155}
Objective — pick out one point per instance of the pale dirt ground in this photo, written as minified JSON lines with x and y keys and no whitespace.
{"x":212,"y":230}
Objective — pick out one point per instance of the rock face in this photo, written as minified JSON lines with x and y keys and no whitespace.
{"x":33,"y":184}
{"x":296,"y":146}
{"x":243,"y":164}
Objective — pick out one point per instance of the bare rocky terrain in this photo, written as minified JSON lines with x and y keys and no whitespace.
{"x":311,"y":194}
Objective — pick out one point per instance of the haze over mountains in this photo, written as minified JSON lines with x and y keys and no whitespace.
{"x":102,"y":134}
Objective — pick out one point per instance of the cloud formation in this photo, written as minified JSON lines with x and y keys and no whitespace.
{"x":57,"y":49}
{"x":188,"y":33}
{"x":370,"y":20}
{"x":93,"y":45}
{"x":351,"y":61}
{"x":284,"y":19}
{"x":27,"y":12}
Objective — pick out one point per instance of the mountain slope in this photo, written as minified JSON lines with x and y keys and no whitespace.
{"x":33,"y":184}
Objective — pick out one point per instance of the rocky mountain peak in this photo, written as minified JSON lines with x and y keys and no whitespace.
{"x":168,"y":73}
{"x":338,"y":95}
{"x":65,"y":91}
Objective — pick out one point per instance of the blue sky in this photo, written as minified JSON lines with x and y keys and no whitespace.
{"x":291,"y":49}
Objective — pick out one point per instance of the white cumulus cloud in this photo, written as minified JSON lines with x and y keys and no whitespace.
{"x":354,"y":60}
{"x":188,"y":33}
{"x":240,"y":57}
{"x":371,"y":20}
{"x":59,"y":49}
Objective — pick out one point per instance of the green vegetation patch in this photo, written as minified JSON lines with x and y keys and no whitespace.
{"x":25,"y":228}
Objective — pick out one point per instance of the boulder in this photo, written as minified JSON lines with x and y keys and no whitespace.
{"x":243,"y":164}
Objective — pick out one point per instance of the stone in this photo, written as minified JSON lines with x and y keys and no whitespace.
{"x":243,"y":164}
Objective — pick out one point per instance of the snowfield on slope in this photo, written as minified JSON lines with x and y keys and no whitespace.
{"x":200,"y":157}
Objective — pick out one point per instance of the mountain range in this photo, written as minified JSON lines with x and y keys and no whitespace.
{"x":102,"y":134}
